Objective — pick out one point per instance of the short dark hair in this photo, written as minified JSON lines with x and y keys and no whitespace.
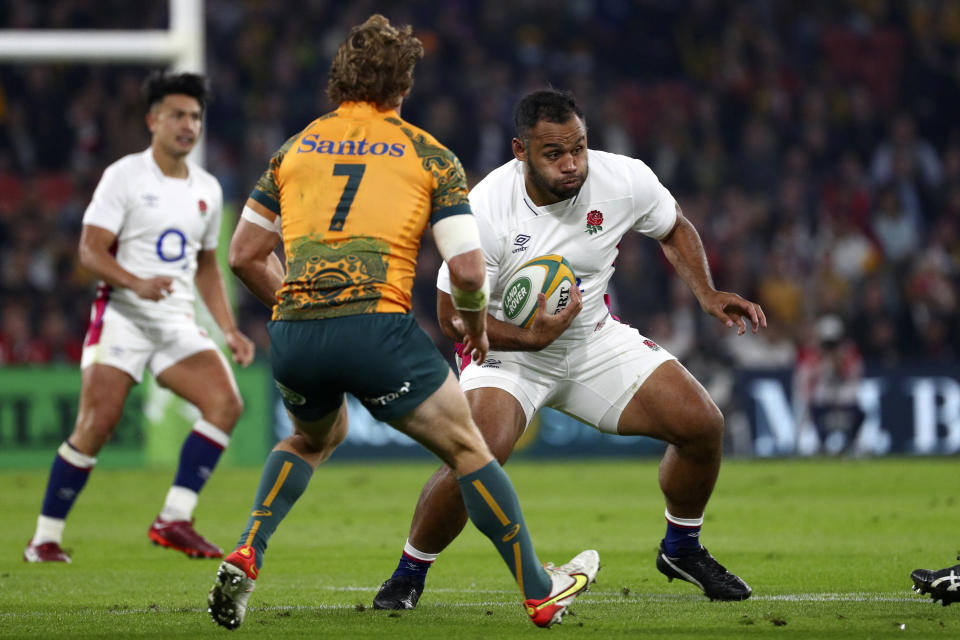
{"x":551,"y":105}
{"x":160,"y":84}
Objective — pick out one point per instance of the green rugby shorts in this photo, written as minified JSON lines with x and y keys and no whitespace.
{"x":384,"y":359}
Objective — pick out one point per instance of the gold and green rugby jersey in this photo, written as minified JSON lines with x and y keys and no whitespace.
{"x":355,"y":190}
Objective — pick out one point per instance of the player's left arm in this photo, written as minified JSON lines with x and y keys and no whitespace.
{"x":214,"y":294}
{"x":684,"y":250}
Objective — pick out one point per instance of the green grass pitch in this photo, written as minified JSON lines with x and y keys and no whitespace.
{"x":827,"y":546}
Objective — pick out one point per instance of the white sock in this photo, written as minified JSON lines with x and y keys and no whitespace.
{"x":683,"y":522}
{"x":179,"y":505}
{"x":212,"y":432}
{"x":413,"y":552}
{"x":48,"y":530}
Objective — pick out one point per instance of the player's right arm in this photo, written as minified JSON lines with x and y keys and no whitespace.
{"x":252,"y":256}
{"x":504,"y":336}
{"x":95,"y":255}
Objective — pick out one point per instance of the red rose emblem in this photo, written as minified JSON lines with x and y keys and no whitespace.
{"x":202,"y":204}
{"x":594,"y":222}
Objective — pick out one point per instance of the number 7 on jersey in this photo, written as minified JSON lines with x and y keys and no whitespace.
{"x":355,"y":173}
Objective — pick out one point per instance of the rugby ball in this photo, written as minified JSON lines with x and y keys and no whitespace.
{"x":550,"y":275}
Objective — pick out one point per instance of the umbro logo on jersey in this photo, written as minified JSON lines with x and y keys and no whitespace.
{"x":150,"y":200}
{"x":520,"y":242}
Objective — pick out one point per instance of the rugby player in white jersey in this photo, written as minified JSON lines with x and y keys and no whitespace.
{"x":150,"y":233}
{"x":582,"y":361}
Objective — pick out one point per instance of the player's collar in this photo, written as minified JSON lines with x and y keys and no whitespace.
{"x":556,"y":207}
{"x":158,"y":172}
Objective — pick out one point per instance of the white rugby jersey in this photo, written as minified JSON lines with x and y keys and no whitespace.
{"x":619,"y":194}
{"x":160,"y":223}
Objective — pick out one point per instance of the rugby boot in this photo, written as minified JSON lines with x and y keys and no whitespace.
{"x":401,"y":592}
{"x":568,"y":581}
{"x":700,"y":568}
{"x":227,"y":600}
{"x":943,"y":585}
{"x":181,"y":536}
{"x":45,"y":552}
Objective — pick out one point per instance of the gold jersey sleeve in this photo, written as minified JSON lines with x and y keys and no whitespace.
{"x":355,"y":192}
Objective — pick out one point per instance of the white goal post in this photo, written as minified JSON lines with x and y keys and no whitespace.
{"x":180,"y":47}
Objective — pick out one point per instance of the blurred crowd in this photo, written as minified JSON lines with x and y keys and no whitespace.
{"x":815,"y":145}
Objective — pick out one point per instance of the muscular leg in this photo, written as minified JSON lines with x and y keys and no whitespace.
{"x":287,"y":472}
{"x":315,"y":441}
{"x":672,"y":406}
{"x":440,"y":515}
{"x":443,"y":424}
{"x":204,"y":380}
{"x":285,"y":476}
{"x":103,"y":391}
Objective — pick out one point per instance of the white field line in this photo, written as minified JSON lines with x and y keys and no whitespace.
{"x":604,"y":597}
{"x":595,"y":595}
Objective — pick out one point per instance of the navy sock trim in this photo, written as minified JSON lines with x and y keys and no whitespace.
{"x":679,"y":540}
{"x":412,"y":567}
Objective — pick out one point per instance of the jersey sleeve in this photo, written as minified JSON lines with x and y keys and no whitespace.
{"x":492,"y":250}
{"x":211,"y":237}
{"x":109,"y":205}
{"x":267,"y":189}
{"x":450,"y":190}
{"x":443,"y":278}
{"x":490,"y":247}
{"x":654,"y":205}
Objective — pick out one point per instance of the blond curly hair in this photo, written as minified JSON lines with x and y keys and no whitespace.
{"x":374,"y":64}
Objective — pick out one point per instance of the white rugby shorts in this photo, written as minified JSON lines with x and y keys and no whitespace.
{"x":115,"y":340}
{"x":592,"y":380}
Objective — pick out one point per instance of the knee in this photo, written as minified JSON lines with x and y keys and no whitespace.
{"x":223,"y":409}
{"x":713,"y":420}
{"x":321,"y":447}
{"x":94,"y":428}
{"x":703,"y":427}
{"x":233,"y":408}
{"x":501,"y":450}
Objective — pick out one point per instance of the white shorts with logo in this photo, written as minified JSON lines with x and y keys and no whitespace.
{"x":115,"y":340}
{"x":592,"y":380}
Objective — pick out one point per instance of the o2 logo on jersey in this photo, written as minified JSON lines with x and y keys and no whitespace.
{"x":172,"y":245}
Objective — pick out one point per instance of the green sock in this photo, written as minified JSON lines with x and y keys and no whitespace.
{"x":284,"y":479}
{"x":494,"y":509}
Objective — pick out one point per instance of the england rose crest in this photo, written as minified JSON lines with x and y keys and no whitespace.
{"x":594,"y":222}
